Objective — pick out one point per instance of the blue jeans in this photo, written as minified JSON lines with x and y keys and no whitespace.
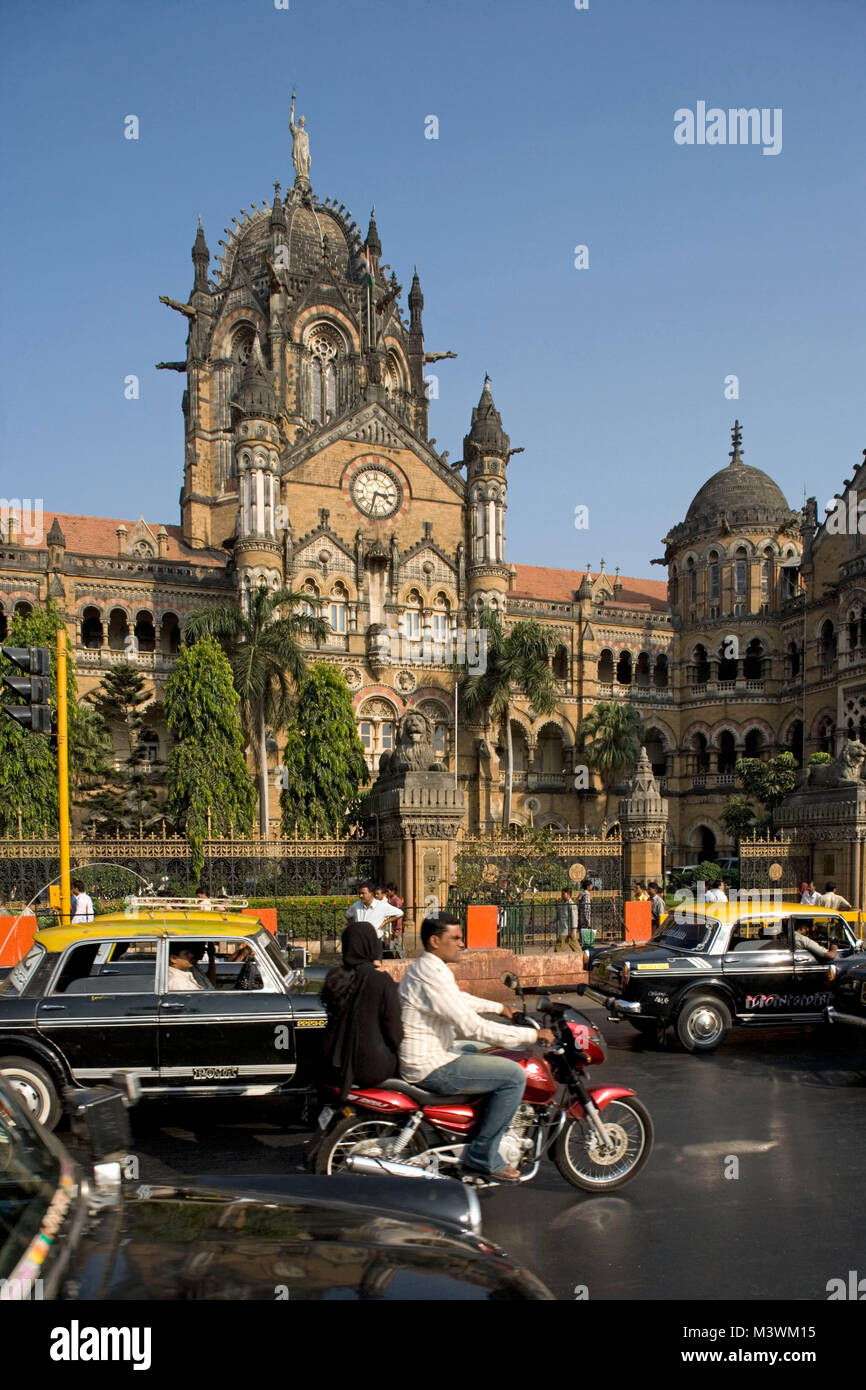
{"x":473,"y":1073}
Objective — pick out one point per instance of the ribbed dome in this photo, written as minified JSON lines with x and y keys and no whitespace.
{"x":737,"y":493}
{"x":306,"y":229}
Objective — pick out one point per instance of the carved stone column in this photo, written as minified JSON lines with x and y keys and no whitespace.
{"x":643,"y":816}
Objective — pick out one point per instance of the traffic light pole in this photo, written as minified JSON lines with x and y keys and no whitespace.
{"x":63,"y":776}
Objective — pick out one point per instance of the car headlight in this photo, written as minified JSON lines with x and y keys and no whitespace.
{"x":626,"y":971}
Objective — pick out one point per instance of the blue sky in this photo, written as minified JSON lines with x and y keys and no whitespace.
{"x":555,"y":130}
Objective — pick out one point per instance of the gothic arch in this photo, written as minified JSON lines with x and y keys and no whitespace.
{"x":725,"y":726}
{"x":825,"y":713}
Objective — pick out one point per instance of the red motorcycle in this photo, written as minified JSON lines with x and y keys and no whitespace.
{"x":598,"y":1138}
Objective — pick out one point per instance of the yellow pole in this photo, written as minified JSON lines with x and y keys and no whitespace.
{"x":63,"y":777}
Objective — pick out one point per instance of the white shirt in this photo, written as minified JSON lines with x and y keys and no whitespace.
{"x":83,"y":908}
{"x":715,"y":895}
{"x":182,"y":979}
{"x":378,"y":911}
{"x":810,"y":899}
{"x":436,"y":1011}
{"x":834,"y":900}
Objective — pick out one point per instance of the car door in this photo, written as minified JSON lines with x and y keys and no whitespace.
{"x":811,"y":982}
{"x":101,"y":1009}
{"x":233,"y":1040}
{"x":760,"y":971}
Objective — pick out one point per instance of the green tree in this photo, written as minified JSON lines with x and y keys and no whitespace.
{"x":518,"y":664}
{"x":768,"y":782}
{"x":611,"y":738}
{"x":737,"y":816}
{"x":324,"y":763}
{"x":128,"y":796}
{"x":207,"y":770}
{"x":28,"y":761}
{"x":267,"y":663}
{"x":815,"y":759}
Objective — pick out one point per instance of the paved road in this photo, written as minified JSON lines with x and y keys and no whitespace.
{"x":790,"y":1106}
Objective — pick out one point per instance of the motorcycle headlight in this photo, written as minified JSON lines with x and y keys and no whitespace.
{"x":586,"y":960}
{"x":626,"y":971}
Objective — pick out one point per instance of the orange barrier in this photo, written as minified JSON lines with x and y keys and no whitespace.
{"x":15,"y":940}
{"x":266,"y":915}
{"x":481,"y":925}
{"x":638,"y":921}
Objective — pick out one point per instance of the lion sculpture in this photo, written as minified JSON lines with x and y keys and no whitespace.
{"x":845,"y":768}
{"x":415,"y":751}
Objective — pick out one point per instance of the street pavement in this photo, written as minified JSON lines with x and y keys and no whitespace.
{"x":789,"y":1106}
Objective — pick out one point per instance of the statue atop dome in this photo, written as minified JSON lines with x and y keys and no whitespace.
{"x":300,"y":148}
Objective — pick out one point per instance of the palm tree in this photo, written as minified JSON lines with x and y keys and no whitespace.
{"x":612,"y":737}
{"x":266,"y":660}
{"x":518,"y":663}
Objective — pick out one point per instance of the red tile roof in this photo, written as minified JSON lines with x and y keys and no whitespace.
{"x":96,"y":535}
{"x":537,"y":581}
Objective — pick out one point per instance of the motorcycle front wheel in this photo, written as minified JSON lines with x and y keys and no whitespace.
{"x":357,"y":1134}
{"x":582,"y":1160}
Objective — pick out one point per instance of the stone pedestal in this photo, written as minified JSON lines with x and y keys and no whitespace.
{"x":825,"y":819}
{"x":416,"y":811}
{"x":643,"y":818}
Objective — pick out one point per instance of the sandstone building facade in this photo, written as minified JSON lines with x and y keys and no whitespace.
{"x":308,"y":463}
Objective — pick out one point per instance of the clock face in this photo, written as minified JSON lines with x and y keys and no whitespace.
{"x":375,"y":493}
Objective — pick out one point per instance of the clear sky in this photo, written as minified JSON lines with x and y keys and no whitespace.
{"x":556,"y":130}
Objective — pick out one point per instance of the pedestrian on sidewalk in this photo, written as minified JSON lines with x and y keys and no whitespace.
{"x":566,"y":922}
{"x":657,"y":905}
{"x":584,"y":916}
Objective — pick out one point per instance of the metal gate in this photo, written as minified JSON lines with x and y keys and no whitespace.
{"x":774,"y":863}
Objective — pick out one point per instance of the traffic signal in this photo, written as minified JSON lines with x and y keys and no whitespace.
{"x":34,"y":688}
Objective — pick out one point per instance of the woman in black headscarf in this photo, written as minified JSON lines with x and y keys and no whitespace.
{"x":362,"y":1042}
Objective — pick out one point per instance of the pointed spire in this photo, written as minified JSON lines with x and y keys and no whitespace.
{"x":374,"y":245}
{"x":736,"y":454}
{"x":200,"y":259}
{"x":486,"y":432}
{"x":416,"y":298}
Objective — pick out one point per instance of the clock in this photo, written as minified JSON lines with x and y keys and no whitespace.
{"x":376,"y":493}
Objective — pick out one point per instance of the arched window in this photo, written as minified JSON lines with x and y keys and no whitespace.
{"x":741,"y":575}
{"x":145,"y":633}
{"x":91,"y":628}
{"x":794,"y":740}
{"x":674,"y":588}
{"x":307,"y":605}
{"x":700,"y":752}
{"x":792,"y":660}
{"x":700,"y":665}
{"x":753,"y":662}
{"x":714,"y":584}
{"x":520,"y":748}
{"x":661,"y":674}
{"x":727,"y":664}
{"x":561,"y":663}
{"x":692,"y":577}
{"x":549,"y":753}
{"x":413,"y":615}
{"x":441,"y":618}
{"x":827,"y":643}
{"x":642,"y":670}
{"x":755,"y":744}
{"x":169,"y":637}
{"x":118,"y":629}
{"x":23,"y":609}
{"x":338,"y":608}
{"x":605,"y":668}
{"x":323,"y":351}
{"x":727,"y":753}
{"x":150,"y":746}
{"x":377,"y":727}
{"x":623,"y":668}
{"x":766,"y":580}
{"x":655,"y":750}
{"x":365,"y":730}
{"x":386,"y":736}
{"x":827,"y":735}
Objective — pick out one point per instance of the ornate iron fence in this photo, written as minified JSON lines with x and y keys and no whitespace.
{"x":774,"y":862}
{"x":117,"y":867}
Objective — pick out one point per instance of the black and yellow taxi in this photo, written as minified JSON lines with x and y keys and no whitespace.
{"x":195,"y":1003}
{"x":714,"y":965}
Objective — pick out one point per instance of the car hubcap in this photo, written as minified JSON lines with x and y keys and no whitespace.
{"x":705,"y":1025}
{"x":31,"y":1096}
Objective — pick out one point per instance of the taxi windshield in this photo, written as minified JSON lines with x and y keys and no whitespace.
{"x":275,"y":956}
{"x":18,"y":976}
{"x":683,"y":931}
{"x":29,"y":1179}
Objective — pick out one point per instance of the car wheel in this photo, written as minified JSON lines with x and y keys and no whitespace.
{"x":34,"y":1087}
{"x":703,"y":1023}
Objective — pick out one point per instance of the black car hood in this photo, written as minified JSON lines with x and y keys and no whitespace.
{"x":644,"y":951}
{"x":174,"y":1242}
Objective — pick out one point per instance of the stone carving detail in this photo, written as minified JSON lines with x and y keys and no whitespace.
{"x":354,"y":678}
{"x":415,"y":751}
{"x":405,"y":682}
{"x":846,"y":768}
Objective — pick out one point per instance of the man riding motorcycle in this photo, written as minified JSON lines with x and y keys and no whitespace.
{"x":436,"y":1012}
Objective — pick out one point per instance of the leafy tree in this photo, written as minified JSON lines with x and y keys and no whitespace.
{"x":324,"y":762}
{"x":815,"y":759}
{"x":738,"y":817}
{"x":518,"y":663}
{"x":207,"y":770}
{"x":93,"y":763}
{"x":264,"y":651}
{"x":128,"y":796}
{"x":611,"y":737}
{"x":28,"y":761}
{"x":768,"y":782}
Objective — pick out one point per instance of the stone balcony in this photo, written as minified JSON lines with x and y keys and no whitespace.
{"x":657,"y":694}
{"x":102,"y":658}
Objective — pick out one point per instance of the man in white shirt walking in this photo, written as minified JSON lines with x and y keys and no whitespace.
{"x":83,"y":908}
{"x":436,"y":1012}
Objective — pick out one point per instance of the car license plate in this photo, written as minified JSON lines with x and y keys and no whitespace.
{"x":325,"y":1117}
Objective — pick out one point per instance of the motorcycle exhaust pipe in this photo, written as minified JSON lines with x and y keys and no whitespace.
{"x":362,"y":1163}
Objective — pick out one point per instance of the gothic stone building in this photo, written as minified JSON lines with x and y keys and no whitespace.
{"x":308,"y":464}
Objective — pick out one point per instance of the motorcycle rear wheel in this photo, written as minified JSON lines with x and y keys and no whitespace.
{"x":363,"y":1135}
{"x":579,"y":1157}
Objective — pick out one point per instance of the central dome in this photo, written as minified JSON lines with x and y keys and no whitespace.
{"x":737,"y":493}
